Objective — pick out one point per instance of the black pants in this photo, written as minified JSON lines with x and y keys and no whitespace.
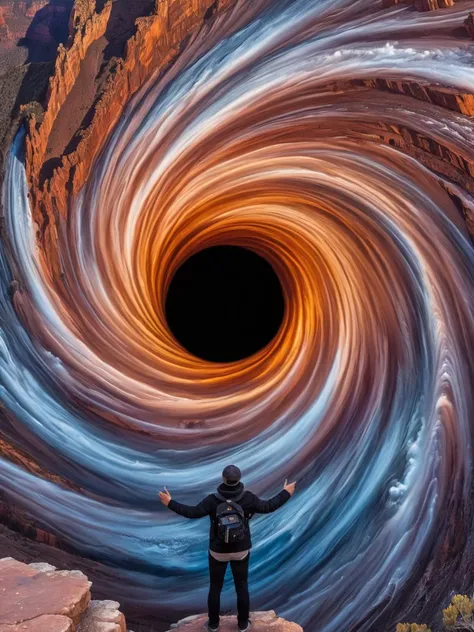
{"x":240,"y":571}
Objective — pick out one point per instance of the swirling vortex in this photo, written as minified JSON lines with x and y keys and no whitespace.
{"x":365,"y":394}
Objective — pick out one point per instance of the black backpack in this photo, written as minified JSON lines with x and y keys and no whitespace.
{"x":231,"y":523}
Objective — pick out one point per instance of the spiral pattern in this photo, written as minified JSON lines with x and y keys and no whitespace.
{"x":364,"y":396}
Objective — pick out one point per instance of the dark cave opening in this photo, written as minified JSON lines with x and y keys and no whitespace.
{"x":224,"y":303}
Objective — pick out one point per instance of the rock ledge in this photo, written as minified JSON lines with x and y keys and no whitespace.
{"x":267,"y":621}
{"x":40,"y":598}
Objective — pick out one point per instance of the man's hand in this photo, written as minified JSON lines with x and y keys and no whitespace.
{"x":165,"y":497}
{"x":290,"y":487}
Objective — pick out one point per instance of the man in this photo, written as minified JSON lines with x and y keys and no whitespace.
{"x":237,"y":553}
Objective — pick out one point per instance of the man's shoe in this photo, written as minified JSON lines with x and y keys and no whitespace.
{"x":211,"y":628}
{"x":245,"y":627}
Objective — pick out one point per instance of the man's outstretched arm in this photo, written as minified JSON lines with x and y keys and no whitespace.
{"x":272,"y":504}
{"x":188,"y":511}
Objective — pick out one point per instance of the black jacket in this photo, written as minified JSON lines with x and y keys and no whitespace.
{"x":250,"y":503}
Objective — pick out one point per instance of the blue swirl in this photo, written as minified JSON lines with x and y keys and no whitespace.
{"x":366,"y":399}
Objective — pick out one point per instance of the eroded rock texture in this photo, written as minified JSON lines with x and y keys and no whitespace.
{"x":59,"y":155}
{"x":90,"y":86}
{"x":27,"y":593}
{"x":261,"y":622}
{"x":423,"y":5}
{"x":39,"y":598}
{"x":35,"y":24}
{"x":102,"y":616}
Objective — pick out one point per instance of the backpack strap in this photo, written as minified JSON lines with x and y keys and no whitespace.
{"x":232,"y":502}
{"x":229,"y":500}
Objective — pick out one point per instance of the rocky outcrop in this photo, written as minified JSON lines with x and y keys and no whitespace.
{"x":61,"y":147}
{"x":16,"y":520}
{"x":33,"y":16}
{"x":157,"y":40}
{"x":104,"y":578}
{"x":102,"y":616}
{"x":28,"y":593}
{"x":34,"y":7}
{"x":86,"y":26}
{"x":267,"y":621}
{"x":39,"y":598}
{"x":449,"y":98}
{"x":422,"y":5}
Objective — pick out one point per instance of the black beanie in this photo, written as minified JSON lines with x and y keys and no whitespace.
{"x":231,"y":475}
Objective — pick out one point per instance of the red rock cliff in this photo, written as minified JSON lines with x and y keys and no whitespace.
{"x":155,"y":43}
{"x":37,"y":597}
{"x":86,"y":26}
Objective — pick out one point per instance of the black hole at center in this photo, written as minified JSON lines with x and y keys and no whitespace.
{"x":224,"y":303}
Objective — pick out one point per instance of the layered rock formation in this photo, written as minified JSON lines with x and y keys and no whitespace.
{"x":449,"y":98}
{"x":422,"y":5}
{"x":81,"y":108}
{"x":261,"y":622}
{"x":35,"y":19}
{"x":453,"y":165}
{"x":38,"y":545}
{"x":30,"y":31}
{"x":156,"y":42}
{"x":39,"y":598}
{"x":18,"y":521}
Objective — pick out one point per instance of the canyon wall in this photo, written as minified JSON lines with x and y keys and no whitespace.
{"x":422,"y":5}
{"x":33,"y":18}
{"x":86,"y":26}
{"x":39,"y":598}
{"x":449,"y":98}
{"x":156,"y":42}
{"x":456,"y":168}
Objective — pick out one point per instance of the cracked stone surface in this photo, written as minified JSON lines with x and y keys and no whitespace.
{"x":29,"y":593}
{"x":43,"y":623}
